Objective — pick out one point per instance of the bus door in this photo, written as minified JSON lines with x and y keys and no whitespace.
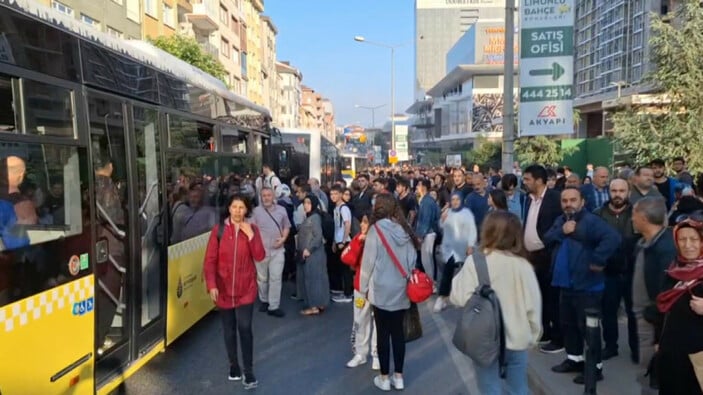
{"x":128,"y":248}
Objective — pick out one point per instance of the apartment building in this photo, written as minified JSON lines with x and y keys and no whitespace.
{"x":290,"y":96}
{"x":120,"y":18}
{"x":612,"y":56}
{"x":252,"y":10}
{"x":328,"y":121}
{"x":270,"y":78}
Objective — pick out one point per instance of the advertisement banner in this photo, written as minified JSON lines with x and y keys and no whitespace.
{"x":401,"y":142}
{"x":546,"y":67}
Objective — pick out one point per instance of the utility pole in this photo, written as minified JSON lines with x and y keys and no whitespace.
{"x":509,"y":134}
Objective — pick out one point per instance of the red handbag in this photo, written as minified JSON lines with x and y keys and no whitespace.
{"x":419,"y":284}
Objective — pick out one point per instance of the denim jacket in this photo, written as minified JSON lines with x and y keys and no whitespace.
{"x":427,"y":217}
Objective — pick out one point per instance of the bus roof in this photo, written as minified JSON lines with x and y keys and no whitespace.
{"x":141,"y":51}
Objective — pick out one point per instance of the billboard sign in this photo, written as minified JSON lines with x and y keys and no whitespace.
{"x":401,"y":142}
{"x":546,"y":67}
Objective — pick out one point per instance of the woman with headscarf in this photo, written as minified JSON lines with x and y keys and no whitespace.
{"x":682,"y":304}
{"x":460,"y":234}
{"x":311,"y":252}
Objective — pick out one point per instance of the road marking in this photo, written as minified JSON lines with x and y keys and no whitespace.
{"x":461,"y":362}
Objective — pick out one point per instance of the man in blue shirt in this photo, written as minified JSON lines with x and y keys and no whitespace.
{"x":515,"y":197}
{"x":477,"y":201}
{"x":584,"y":242}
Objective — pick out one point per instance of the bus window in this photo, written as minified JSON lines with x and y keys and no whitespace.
{"x":234,"y":141}
{"x":9,"y":117}
{"x":193,"y":183}
{"x":190,"y":134}
{"x":48,"y":110}
{"x":44,"y":240}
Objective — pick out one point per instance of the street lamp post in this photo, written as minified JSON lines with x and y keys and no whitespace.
{"x":361,"y":39}
{"x":373,"y":112}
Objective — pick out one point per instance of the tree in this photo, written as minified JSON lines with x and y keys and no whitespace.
{"x":487,"y":153}
{"x":542,"y":150}
{"x":188,"y":50}
{"x":672,"y":127}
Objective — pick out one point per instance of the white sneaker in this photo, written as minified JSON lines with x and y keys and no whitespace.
{"x":439,"y":305}
{"x":381,"y":383}
{"x":356,"y":361}
{"x":376,"y":364}
{"x":397,"y":383}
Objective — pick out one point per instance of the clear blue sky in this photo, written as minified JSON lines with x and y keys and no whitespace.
{"x":317,"y":37}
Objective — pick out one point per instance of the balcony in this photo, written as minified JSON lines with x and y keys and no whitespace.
{"x":210,"y":49}
{"x":203,"y":17}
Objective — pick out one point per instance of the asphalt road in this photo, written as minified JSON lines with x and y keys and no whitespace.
{"x":304,"y":355}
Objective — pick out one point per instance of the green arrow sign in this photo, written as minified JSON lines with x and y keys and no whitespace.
{"x":556,"y":71}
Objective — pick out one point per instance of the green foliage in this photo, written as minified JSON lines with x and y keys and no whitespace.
{"x":188,"y":50}
{"x":487,"y":153}
{"x":541,"y":150}
{"x":672,"y":127}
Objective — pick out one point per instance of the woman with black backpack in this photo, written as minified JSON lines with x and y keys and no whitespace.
{"x":513,"y":280}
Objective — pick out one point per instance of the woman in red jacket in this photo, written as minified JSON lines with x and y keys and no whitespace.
{"x":230,"y":276}
{"x":363,"y":330}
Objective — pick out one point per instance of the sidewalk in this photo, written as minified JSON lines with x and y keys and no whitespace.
{"x":620,"y":374}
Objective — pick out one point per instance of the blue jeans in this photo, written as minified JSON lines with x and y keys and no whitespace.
{"x":490,"y":383}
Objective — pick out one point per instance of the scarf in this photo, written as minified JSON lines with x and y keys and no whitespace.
{"x":688,"y":272}
{"x":461,"y":198}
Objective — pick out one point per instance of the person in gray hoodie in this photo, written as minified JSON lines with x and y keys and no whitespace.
{"x":385,"y":287}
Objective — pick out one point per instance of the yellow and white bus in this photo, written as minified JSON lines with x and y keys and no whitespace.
{"x":101,"y":141}
{"x":353,"y":164}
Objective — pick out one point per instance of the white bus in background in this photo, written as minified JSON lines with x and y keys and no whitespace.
{"x":298,"y":152}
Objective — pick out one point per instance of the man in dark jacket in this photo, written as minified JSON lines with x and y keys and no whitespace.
{"x":655,"y":251}
{"x":361,"y":202}
{"x":542,"y":207}
{"x":584,"y":243}
{"x":618,"y":272}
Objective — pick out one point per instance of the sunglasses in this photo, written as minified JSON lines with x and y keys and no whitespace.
{"x":696,"y":216}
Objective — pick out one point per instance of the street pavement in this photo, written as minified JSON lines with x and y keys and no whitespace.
{"x":620,"y":374}
{"x":304,"y":355}
{"x":307,"y":355}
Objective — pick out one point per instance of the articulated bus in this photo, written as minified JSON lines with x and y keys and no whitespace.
{"x":298,"y":152}
{"x":102,"y":141}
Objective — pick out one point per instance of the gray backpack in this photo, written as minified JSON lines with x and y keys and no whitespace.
{"x":479,"y":331}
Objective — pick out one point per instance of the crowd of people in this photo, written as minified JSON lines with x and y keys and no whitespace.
{"x":556,"y":245}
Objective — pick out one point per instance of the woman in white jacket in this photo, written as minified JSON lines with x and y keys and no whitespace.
{"x":458,"y":239}
{"x":514,"y":282}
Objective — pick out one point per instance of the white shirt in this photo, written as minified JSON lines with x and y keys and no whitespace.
{"x":532,"y":240}
{"x":342,"y":215}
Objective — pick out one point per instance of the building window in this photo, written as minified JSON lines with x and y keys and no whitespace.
{"x":168,"y":15}
{"x":234,"y":25}
{"x":224,"y":48}
{"x":150,"y":7}
{"x":235,"y":55}
{"x":90,"y":21}
{"x":243,"y":63}
{"x":114,"y":32}
{"x":224,"y":15}
{"x":61,"y":7}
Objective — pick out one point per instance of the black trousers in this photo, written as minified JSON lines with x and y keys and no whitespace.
{"x":573,"y":306}
{"x":239,"y":320}
{"x":445,"y":283}
{"x":344,"y":273}
{"x":389,"y":329}
{"x":334,"y":273}
{"x":542,"y":262}
{"x":618,"y":287}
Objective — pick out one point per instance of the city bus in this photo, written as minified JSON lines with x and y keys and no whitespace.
{"x":305,"y":153}
{"x":102,"y":141}
{"x":353,"y":164}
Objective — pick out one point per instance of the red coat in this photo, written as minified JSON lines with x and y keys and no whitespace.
{"x":352,"y":256}
{"x":230,"y":266}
